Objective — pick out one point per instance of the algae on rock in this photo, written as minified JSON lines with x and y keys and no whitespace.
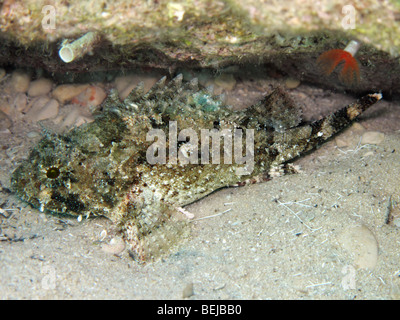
{"x":204,"y":33}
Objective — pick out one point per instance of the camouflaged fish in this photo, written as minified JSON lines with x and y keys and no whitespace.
{"x":152,"y":153}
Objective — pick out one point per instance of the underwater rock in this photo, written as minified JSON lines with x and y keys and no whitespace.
{"x":91,"y":97}
{"x":65,"y":92}
{"x":20,"y":81}
{"x":351,"y":136}
{"x":188,"y":291}
{"x":49,"y":111}
{"x":34,"y":107}
{"x":131,"y":166}
{"x":292,"y":83}
{"x":362,"y":244}
{"x":372,"y":137}
{"x":40,"y":87}
{"x":115,"y":247}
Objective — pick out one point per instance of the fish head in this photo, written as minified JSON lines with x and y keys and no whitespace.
{"x":47,"y":179}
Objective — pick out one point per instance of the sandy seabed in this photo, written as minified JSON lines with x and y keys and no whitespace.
{"x":319,"y":234}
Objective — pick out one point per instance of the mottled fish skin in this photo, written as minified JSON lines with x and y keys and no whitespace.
{"x":101,"y":169}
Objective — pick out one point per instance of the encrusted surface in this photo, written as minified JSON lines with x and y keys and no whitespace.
{"x":102,"y":168}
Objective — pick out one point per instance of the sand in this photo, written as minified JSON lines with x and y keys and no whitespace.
{"x":321,"y":233}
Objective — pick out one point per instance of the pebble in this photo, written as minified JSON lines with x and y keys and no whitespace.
{"x":350,"y":137}
{"x":42,"y":108}
{"x":35,"y":105}
{"x":66,"y":92}
{"x":372,"y":137}
{"x":91,"y":97}
{"x":116,"y":246}
{"x":291,"y":83}
{"x":188,"y":291}
{"x":362,"y":244}
{"x":40,"y":87}
{"x":49,"y":111}
{"x":20,"y":102}
{"x":20,"y":81}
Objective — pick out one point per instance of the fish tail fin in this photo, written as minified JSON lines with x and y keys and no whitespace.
{"x":299,"y":140}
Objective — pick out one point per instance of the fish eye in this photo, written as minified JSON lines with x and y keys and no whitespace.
{"x":53,"y":173}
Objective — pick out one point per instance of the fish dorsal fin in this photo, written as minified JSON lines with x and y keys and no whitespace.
{"x":276,"y":110}
{"x":136,"y":94}
{"x":194,"y":84}
{"x":157,"y":89}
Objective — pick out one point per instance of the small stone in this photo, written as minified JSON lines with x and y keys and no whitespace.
{"x":188,"y":291}
{"x":373,"y":137}
{"x":91,"y":97}
{"x":362,"y":244}
{"x":40,"y":87}
{"x":20,"y":81}
{"x":20,"y":102}
{"x":33,"y":134}
{"x":357,"y":127}
{"x":65,"y":92}
{"x":49,"y":110}
{"x":43,"y":108}
{"x":292,"y":83}
{"x":35,"y":106}
{"x":116,"y":246}
{"x":350,"y":137}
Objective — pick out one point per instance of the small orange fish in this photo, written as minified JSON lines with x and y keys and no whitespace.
{"x":329,"y":60}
